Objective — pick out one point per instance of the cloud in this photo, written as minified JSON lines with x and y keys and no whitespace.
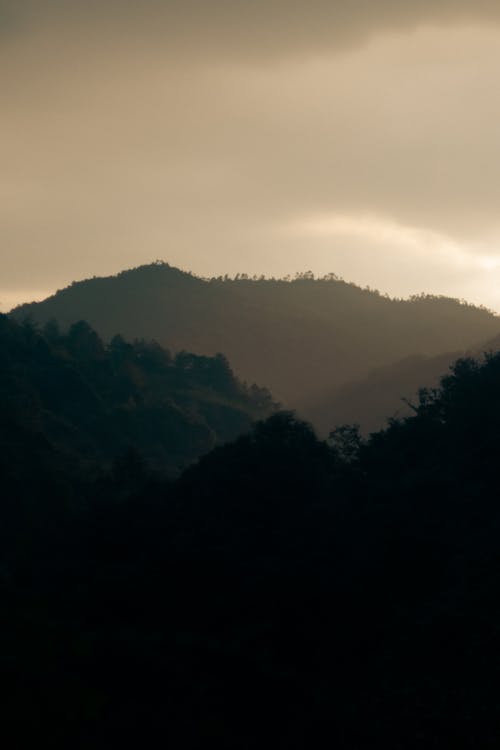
{"x":138,"y":131}
{"x":245,"y":29}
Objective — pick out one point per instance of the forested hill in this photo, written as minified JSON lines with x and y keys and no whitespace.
{"x":299,"y":337}
{"x":69,"y":397}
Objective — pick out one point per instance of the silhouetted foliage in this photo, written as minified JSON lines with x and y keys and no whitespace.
{"x":283,"y":590}
{"x":93,"y":402}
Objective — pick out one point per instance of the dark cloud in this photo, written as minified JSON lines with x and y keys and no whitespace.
{"x":246,"y":28}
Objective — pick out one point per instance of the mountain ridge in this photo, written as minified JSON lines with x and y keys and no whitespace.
{"x":300,"y":337}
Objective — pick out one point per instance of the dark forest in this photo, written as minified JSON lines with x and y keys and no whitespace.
{"x":183,"y":563}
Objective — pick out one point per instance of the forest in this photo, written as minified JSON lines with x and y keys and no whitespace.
{"x":70,"y":393}
{"x":267,"y":586}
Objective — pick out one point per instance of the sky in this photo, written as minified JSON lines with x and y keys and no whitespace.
{"x":356,"y":137}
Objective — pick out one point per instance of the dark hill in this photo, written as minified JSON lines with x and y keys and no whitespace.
{"x":302,"y":338}
{"x":73,"y":401}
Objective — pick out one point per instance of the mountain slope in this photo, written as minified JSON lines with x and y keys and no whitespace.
{"x":72,"y":399}
{"x":386,"y":392}
{"x":301,"y":338}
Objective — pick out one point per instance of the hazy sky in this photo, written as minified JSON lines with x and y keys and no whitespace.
{"x":261,"y":136}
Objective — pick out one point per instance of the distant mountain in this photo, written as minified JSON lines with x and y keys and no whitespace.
{"x":386,"y":392}
{"x":68,"y":399}
{"x":303,"y":338}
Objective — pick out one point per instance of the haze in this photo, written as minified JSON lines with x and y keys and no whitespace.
{"x":262,"y":137}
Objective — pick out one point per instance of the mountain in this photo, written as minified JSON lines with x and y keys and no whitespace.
{"x":72,"y":400}
{"x":386,"y":392}
{"x":303,"y":338}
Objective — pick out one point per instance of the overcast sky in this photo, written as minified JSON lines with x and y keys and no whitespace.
{"x":359,"y":137}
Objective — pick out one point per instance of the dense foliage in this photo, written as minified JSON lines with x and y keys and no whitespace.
{"x":70,"y":394}
{"x":283,"y":591}
{"x":302,"y":337}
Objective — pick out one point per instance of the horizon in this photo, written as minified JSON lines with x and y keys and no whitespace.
{"x":253,"y":137}
{"x":9,"y":303}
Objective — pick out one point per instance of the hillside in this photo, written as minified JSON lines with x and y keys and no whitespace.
{"x":73,"y":400}
{"x":386,"y":392}
{"x":301,"y":338}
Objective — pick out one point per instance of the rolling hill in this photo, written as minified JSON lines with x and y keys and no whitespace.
{"x":303,"y":338}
